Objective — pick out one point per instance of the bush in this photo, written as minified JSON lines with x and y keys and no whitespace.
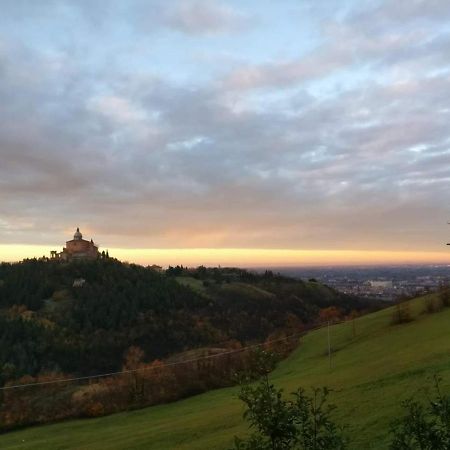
{"x":444,"y":297}
{"x":402,"y":313}
{"x":424,"y":428}
{"x":302,"y":422}
{"x":433,"y":305}
{"x":95,"y":410}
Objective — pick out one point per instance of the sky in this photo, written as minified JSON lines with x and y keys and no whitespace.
{"x":246,"y":132}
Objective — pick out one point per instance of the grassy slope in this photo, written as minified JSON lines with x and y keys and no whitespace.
{"x":196,"y":285}
{"x":245,"y":289}
{"x":371,"y":374}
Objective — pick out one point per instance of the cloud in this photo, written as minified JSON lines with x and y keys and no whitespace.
{"x":346,"y":147}
{"x":204,"y":17}
{"x":391,"y":34}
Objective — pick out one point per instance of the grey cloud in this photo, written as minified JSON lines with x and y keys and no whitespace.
{"x":142,"y":161}
{"x":198,"y":17}
{"x":366,"y":38}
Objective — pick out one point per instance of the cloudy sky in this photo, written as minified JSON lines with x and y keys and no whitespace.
{"x":252,"y":125}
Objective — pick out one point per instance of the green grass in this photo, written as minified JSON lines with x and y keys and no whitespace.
{"x":370,"y":373}
{"x":193,"y":283}
{"x":237,"y":288}
{"x":245,"y":290}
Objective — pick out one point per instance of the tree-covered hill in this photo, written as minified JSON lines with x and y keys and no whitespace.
{"x":375,"y":365}
{"x":53,"y":321}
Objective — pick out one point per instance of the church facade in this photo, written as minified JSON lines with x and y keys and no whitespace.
{"x":77,"y":248}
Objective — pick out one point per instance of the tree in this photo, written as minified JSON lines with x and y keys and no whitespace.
{"x":302,"y":422}
{"x":402,"y":312}
{"x":352,"y":316}
{"x":133,"y":362}
{"x":423,"y":428}
{"x":444,"y":296}
{"x":330,"y":314}
{"x":433,"y":304}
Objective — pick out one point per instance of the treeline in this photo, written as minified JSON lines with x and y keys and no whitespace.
{"x":48,"y":323}
{"x":142,"y":384}
{"x":433,"y":303}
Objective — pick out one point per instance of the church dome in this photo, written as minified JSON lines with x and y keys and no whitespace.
{"x":77,"y":236}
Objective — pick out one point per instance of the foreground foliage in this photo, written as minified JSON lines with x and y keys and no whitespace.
{"x":301,"y":422}
{"x":424,"y":427}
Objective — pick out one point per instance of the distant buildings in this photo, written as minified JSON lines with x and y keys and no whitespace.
{"x":77,"y":249}
{"x":383,"y":284}
{"x":386,"y":289}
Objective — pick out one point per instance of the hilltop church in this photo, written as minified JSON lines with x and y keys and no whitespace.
{"x":77,"y":248}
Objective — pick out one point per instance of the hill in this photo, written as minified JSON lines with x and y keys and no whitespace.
{"x":66,"y":320}
{"x":371,"y":373}
{"x":80,"y":318}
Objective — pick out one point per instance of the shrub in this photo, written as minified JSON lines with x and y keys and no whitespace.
{"x":444,"y":296}
{"x":331,"y":314}
{"x":402,"y":313}
{"x":433,"y":305}
{"x":424,"y":428}
{"x":302,"y":422}
{"x":95,"y":409}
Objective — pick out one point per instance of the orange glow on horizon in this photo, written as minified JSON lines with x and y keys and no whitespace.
{"x":243,"y":257}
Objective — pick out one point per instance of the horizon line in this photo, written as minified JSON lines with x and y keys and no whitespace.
{"x":246,"y":257}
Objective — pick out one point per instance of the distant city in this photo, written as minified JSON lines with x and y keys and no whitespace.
{"x":382,"y":282}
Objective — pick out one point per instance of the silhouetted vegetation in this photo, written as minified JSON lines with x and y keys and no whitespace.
{"x":444,"y":296}
{"x":423,"y":427}
{"x":433,"y":305}
{"x":402,"y":312}
{"x":300,"y":422}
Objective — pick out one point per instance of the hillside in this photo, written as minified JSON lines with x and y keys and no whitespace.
{"x":371,"y":374}
{"x":48,"y":323}
{"x":65,"y":320}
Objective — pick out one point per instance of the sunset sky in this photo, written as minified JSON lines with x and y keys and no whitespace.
{"x":227,"y":132}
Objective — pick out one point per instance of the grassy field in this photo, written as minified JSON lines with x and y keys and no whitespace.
{"x":371,"y":373}
{"x":248,"y":290}
{"x":196,"y":285}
